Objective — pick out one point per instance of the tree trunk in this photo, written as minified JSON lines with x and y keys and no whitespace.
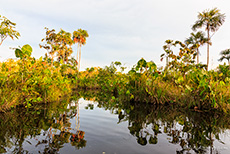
{"x":198,"y":56}
{"x":78,"y":47}
{"x":208,"y":47}
{"x":52,"y":60}
{"x":167,"y":61}
{"x":2,"y":39}
{"x":229,"y":64}
{"x":64,"y":57}
{"x":79,"y":58}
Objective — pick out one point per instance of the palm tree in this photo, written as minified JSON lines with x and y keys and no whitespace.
{"x":211,"y":20}
{"x":225,"y":54}
{"x":79,"y":37}
{"x":196,"y":40}
{"x":168,"y":51}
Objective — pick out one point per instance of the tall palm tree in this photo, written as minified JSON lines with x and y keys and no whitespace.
{"x":211,"y":20}
{"x":79,"y":37}
{"x":225,"y":54}
{"x":196,"y":40}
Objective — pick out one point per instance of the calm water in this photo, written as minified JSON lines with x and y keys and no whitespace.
{"x":111,"y":128}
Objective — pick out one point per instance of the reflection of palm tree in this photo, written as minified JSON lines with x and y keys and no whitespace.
{"x":77,"y":117}
{"x":77,"y":139}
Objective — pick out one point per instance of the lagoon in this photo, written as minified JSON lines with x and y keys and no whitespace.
{"x":92,"y":126}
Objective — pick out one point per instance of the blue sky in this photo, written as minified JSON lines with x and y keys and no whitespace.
{"x":119,"y":30}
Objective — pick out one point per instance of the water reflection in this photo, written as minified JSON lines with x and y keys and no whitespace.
{"x":45,"y":127}
{"x":192,"y":131}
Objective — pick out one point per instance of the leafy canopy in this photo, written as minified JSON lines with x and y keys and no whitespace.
{"x":80,"y":36}
{"x":7,"y":29}
{"x":58,"y":44}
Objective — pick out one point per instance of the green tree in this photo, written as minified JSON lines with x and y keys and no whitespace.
{"x":211,"y":20}
{"x":196,"y":40}
{"x":24,"y":54}
{"x":7,"y":29}
{"x":225,"y":54}
{"x":79,"y":37}
{"x":65,"y":43}
{"x":50,"y":44}
{"x":58,"y":44}
{"x":184,"y":60}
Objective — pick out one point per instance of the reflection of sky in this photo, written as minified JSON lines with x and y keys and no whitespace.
{"x":224,"y":137}
{"x":103,"y":133}
{"x":119,"y":30}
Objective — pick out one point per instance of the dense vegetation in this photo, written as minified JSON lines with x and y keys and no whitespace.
{"x":197,"y":88}
{"x":182,"y":83}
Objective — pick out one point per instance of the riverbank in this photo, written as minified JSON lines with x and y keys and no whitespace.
{"x":195,"y":89}
{"x":29,"y":82}
{"x":35,"y":81}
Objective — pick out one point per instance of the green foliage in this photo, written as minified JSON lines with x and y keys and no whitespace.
{"x":58,"y":44}
{"x":191,"y":88}
{"x":80,"y":36}
{"x":29,"y":81}
{"x":195,"y":41}
{"x":24,"y":52}
{"x":7,"y":29}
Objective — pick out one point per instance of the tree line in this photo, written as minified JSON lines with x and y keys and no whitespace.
{"x":210,"y":20}
{"x":58,"y":44}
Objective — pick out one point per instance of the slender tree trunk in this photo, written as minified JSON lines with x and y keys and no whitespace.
{"x":198,"y":56}
{"x":64,"y":57}
{"x":78,"y":47}
{"x":2,"y":39}
{"x":229,"y":64}
{"x":167,"y":61}
{"x":77,"y":117}
{"x":52,"y":60}
{"x":79,"y":58}
{"x":208,"y":48}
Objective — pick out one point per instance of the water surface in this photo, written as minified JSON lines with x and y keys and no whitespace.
{"x":81,"y":126}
